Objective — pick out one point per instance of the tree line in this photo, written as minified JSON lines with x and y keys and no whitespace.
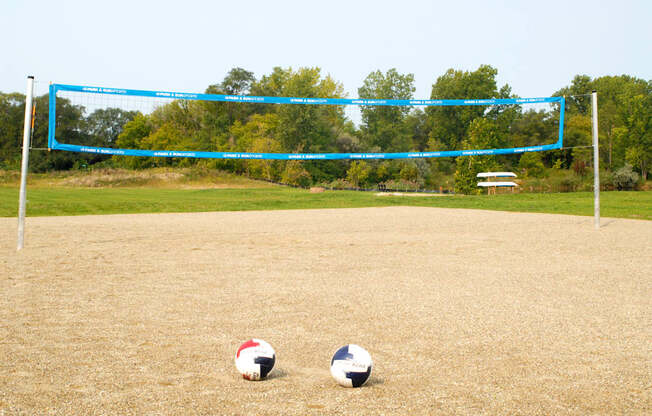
{"x":625,"y":109}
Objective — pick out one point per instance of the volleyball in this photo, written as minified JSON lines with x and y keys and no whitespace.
{"x":351,"y":366}
{"x":255,"y":359}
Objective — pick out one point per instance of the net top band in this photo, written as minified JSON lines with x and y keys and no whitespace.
{"x":300,"y":100}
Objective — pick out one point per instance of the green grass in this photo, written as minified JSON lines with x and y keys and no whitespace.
{"x":97,"y":201}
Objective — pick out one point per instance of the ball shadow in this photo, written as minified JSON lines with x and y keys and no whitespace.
{"x":373,"y":381}
{"x":276,"y":373}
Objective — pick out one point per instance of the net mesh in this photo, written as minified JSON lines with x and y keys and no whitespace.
{"x":91,"y":102}
{"x":201,"y":125}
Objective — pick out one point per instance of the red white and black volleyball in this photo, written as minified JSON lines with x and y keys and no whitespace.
{"x":255,"y":359}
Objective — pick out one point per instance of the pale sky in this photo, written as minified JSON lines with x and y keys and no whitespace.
{"x":537,"y":46}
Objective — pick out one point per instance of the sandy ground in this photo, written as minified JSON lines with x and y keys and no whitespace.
{"x":463,"y":311}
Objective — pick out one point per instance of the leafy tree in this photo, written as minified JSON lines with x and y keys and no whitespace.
{"x":409,"y":171}
{"x":505,"y":116}
{"x":296,"y":174}
{"x":577,"y":132}
{"x":209,"y":126}
{"x":257,"y":136}
{"x":346,"y":139}
{"x":450,"y":124}
{"x":417,"y":127}
{"x":530,"y":164}
{"x":268,"y":169}
{"x":533,"y":128}
{"x":130,"y":138}
{"x":625,"y":177}
{"x":383,"y":172}
{"x":12,"y":111}
{"x":105,"y":125}
{"x":237,"y":82}
{"x":183,"y":115}
{"x":358,"y":173}
{"x":260,"y":125}
{"x":71,"y":128}
{"x":483,"y":133}
{"x":577,"y":100}
{"x":424,"y":171}
{"x":272,"y":85}
{"x":615,"y":98}
{"x":175,"y":126}
{"x":383,"y":127}
{"x":635,"y":136}
{"x":309,"y":128}
{"x":582,"y":160}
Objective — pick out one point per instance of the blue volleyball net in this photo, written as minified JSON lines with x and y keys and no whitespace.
{"x":96,"y":103}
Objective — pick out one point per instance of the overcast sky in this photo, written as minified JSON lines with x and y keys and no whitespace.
{"x":187,"y":45}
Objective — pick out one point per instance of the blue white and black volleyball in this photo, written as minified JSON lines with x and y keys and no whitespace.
{"x":255,"y":359}
{"x":351,"y":366}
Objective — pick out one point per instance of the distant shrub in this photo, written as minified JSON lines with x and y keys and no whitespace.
{"x":530,"y":165}
{"x":556,"y":181}
{"x":9,"y":176}
{"x":558,"y":164}
{"x":358,"y":173}
{"x":296,"y":174}
{"x":439,"y":179}
{"x":401,"y":185}
{"x":10,"y":164}
{"x":338,"y":184}
{"x":607,"y":180}
{"x":625,"y":178}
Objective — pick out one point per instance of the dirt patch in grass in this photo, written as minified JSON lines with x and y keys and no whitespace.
{"x":154,"y":178}
{"x":109,"y":178}
{"x":410,"y":194}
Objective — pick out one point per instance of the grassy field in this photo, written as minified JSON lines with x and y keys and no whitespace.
{"x":60,"y":200}
{"x":119,"y":191}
